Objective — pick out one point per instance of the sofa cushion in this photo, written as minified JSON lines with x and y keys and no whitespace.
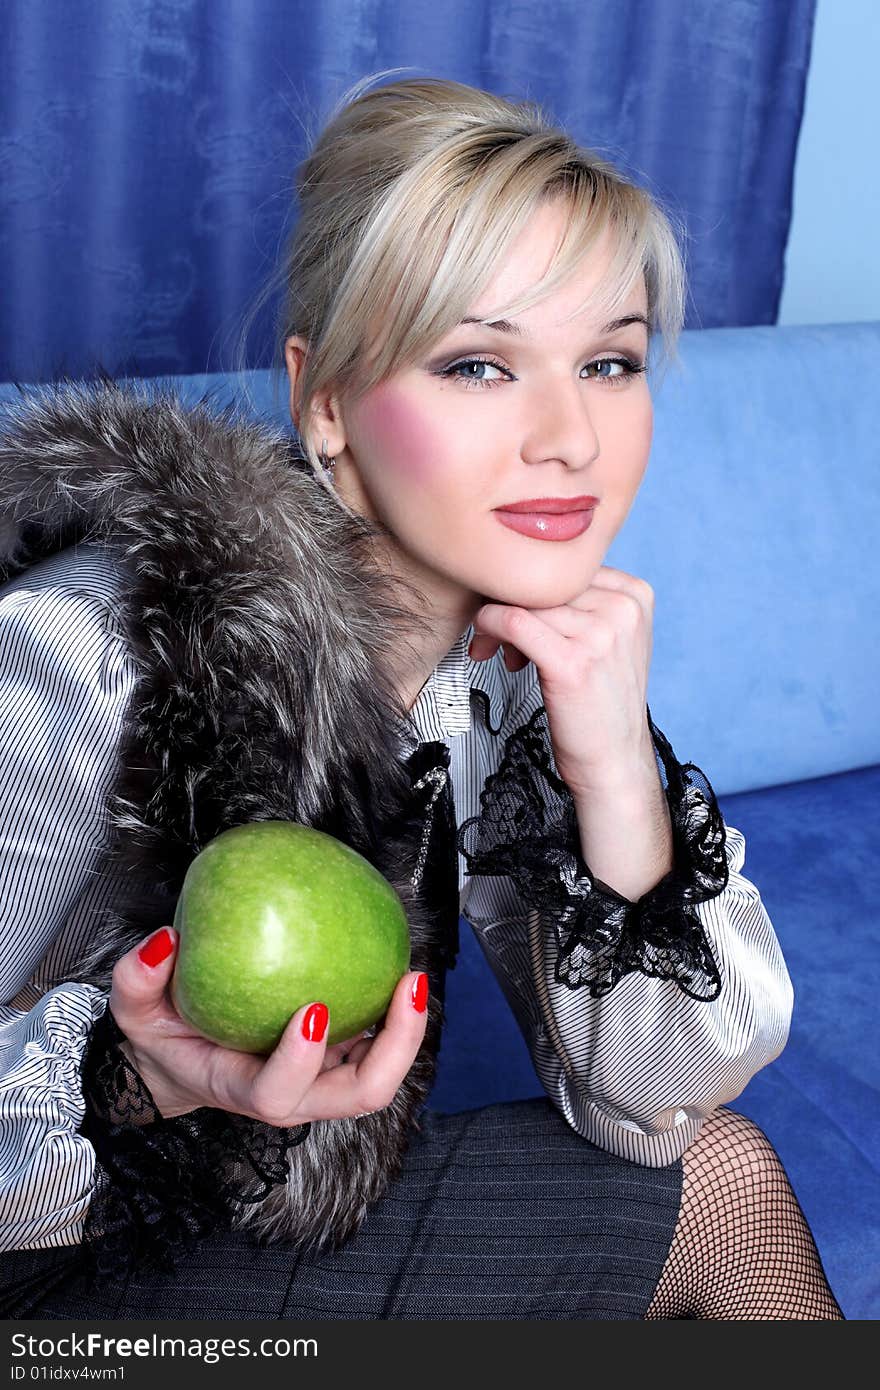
{"x":811,"y":850}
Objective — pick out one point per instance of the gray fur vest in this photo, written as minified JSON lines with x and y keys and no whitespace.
{"x":262,"y":630}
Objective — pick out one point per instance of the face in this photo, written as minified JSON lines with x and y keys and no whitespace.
{"x":489,"y":418}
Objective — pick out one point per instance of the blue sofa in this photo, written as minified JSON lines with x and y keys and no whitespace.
{"x":758,"y":526}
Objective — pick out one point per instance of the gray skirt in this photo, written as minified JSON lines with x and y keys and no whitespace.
{"x":504,"y":1212}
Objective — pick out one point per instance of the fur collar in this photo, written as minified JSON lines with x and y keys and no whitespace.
{"x":263,"y":632}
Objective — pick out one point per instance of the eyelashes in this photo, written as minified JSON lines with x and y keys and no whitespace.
{"x":630,"y":369}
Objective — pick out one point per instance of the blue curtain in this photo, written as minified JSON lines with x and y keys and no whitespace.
{"x":147,"y":148}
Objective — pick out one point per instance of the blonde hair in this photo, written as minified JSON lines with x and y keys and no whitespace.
{"x":406,"y":201}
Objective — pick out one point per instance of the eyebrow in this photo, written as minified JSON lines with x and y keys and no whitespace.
{"x":505,"y":325}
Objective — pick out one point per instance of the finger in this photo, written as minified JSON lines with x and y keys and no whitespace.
{"x":609,"y":578}
{"x":291,"y":1068}
{"x":533,"y":633}
{"x":337,"y":1054}
{"x":357,"y":1053}
{"x":374,"y":1079}
{"x":140,"y":980}
{"x":569,"y":620}
{"x":482,"y":648}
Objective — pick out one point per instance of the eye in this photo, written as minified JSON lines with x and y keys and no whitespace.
{"x":628,"y":369}
{"x":461,"y":371}
{"x":473,"y":371}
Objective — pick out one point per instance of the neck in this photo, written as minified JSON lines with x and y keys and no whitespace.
{"x":442,"y":608}
{"x":438,"y":639}
{"x":441,"y":621}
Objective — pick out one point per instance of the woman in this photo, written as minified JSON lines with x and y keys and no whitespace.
{"x":204,"y":626}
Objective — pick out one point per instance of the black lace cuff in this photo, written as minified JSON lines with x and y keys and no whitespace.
{"x":163,"y":1185}
{"x":528,"y":830}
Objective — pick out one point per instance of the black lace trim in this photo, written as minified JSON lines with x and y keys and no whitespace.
{"x":527,"y":830}
{"x":163,"y":1184}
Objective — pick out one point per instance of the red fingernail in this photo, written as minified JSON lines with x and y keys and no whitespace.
{"x":157,"y":947}
{"x":315,"y":1022}
{"x":420,"y":993}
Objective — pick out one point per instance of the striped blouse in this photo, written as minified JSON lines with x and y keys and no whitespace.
{"x":636,"y":1071}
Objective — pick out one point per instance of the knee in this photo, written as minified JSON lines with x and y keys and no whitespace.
{"x":731,"y":1152}
{"x":756,"y":1254}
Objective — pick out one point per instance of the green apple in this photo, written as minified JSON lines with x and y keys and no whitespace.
{"x":273,"y":915}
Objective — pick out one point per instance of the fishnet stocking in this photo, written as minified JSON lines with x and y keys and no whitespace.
{"x":742,"y":1248}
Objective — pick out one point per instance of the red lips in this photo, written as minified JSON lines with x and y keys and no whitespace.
{"x":551,"y":506}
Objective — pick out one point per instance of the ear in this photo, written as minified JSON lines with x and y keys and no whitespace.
{"x":294,"y":355}
{"x":325,"y":418}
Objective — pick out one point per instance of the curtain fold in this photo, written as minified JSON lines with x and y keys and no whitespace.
{"x":147,"y":148}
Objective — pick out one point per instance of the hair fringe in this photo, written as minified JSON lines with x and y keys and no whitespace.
{"x":408,"y":194}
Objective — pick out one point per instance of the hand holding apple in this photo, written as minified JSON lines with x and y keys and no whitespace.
{"x":301,"y":1080}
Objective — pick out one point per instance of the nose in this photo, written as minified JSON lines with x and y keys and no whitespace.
{"x":560,"y":426}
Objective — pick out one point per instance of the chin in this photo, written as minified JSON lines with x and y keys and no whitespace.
{"x":532,"y":592}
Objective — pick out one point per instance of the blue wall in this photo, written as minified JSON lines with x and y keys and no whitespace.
{"x":831,"y":273}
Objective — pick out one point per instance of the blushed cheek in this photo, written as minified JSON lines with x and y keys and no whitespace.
{"x":400,"y":434}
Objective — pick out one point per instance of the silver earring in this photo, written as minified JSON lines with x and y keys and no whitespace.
{"x":327,"y":464}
